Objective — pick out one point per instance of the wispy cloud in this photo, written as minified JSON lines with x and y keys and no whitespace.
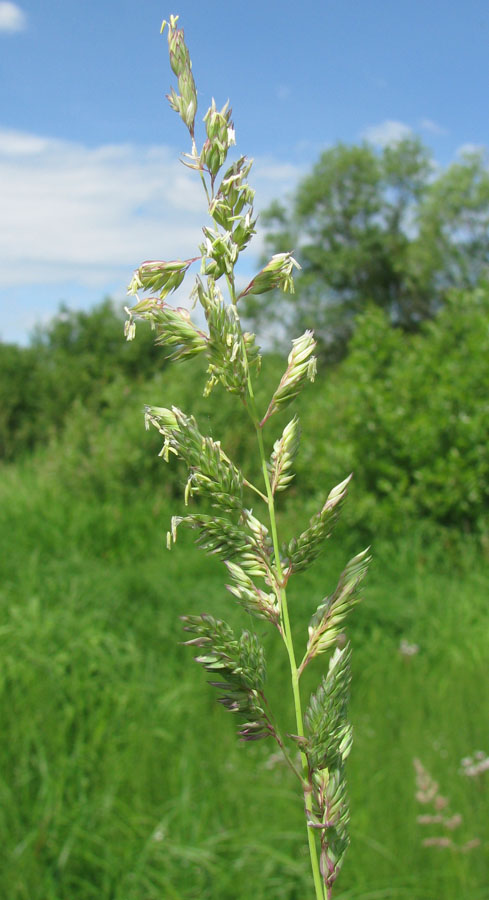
{"x":71,"y":211}
{"x":386,"y":133}
{"x":432,"y":127}
{"x":12,"y":17}
{"x":84,"y":211}
{"x":469,"y":149}
{"x":269,"y":174}
{"x":283,"y":92}
{"x":85,"y":217}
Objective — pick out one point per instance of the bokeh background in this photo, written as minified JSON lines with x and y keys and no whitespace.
{"x":120,"y":776}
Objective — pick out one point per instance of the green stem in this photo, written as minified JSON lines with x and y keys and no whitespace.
{"x":255,"y":489}
{"x":287,"y":632}
{"x":278,"y":737}
{"x":202,"y":178}
{"x":318,"y":883}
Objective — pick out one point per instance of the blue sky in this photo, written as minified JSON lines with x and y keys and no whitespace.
{"x":90,"y":182}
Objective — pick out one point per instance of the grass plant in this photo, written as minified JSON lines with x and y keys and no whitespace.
{"x":108,"y":789}
{"x":119,"y":777}
{"x":259,"y":564}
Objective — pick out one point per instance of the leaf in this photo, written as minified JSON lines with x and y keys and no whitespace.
{"x":240,"y":666}
{"x":302,"y":551}
{"x":326,"y":621}
{"x":283,"y":455}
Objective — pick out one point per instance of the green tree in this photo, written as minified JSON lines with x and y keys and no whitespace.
{"x":18,"y":399}
{"x":409,"y":415}
{"x":384,"y":227}
{"x":71,"y":359}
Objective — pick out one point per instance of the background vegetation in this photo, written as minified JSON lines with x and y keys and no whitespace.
{"x":389,"y":227}
{"x":120,"y":777}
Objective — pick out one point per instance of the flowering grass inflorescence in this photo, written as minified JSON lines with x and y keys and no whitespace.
{"x":439,"y":813}
{"x":258,"y":565}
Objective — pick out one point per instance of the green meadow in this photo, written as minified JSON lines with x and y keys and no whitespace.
{"x":121,"y":776}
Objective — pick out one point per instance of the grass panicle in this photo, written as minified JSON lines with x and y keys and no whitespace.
{"x":258,"y":565}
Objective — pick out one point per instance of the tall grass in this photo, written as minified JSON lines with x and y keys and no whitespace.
{"x":96,"y":798}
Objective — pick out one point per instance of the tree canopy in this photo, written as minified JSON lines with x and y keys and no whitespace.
{"x":68,"y":360}
{"x":385,"y":227}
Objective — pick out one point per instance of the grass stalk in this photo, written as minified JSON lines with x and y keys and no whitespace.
{"x":286,"y":633}
{"x":250,"y":548}
{"x":289,"y":644}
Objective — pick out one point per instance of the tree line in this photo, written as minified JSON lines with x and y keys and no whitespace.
{"x":389,"y":228}
{"x":394,"y":257}
{"x":70,"y":359}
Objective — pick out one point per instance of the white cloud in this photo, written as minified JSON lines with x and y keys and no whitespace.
{"x":387,"y":133}
{"x":12,"y":18}
{"x":273,"y":171}
{"x":72,"y":211}
{"x":68,"y":211}
{"x":470,"y":149}
{"x":432,"y":127}
{"x":85,"y":217}
{"x":273,"y":179}
{"x":16,"y":143}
